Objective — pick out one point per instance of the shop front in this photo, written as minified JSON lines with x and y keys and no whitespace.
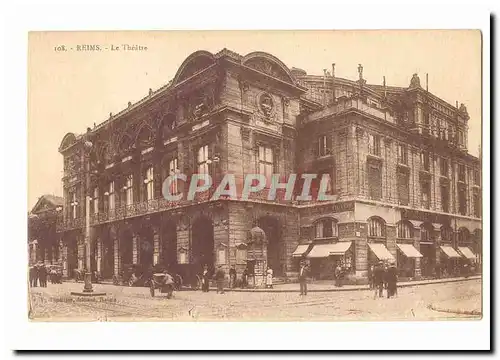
{"x":449,"y":260}
{"x":406,"y":259}
{"x":324,"y":258}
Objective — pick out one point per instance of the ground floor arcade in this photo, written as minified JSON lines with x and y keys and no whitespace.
{"x":240,"y":234}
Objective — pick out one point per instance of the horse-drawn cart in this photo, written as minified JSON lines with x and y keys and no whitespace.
{"x":164,"y":282}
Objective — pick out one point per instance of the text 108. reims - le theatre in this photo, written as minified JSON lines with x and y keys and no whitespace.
{"x":403,"y":186}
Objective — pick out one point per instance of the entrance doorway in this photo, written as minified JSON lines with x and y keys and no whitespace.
{"x":169,"y":245}
{"x":146,"y":248}
{"x":108,"y":256}
{"x":202,"y":243}
{"x":272,"y":229}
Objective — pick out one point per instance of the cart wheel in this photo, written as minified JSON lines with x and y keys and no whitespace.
{"x":170,"y":292}
{"x":178,"y":282}
{"x":196,"y":284}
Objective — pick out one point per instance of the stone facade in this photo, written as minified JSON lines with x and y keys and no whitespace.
{"x":230,"y":114}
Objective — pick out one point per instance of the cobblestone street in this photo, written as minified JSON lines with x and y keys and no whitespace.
{"x":55,"y":303}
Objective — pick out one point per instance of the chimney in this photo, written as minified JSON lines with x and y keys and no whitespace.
{"x":334,"y":97}
{"x":427,"y":82}
{"x":385,"y":89}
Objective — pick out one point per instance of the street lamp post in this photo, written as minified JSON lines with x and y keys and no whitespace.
{"x":87,"y":288}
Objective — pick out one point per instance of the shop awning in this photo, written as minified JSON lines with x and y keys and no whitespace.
{"x":409,"y":250}
{"x":325,"y":250}
{"x":300,"y":250}
{"x":466,"y":252}
{"x":381,"y":252}
{"x":450,"y":252}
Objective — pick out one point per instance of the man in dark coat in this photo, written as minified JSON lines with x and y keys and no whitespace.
{"x":220,"y":276}
{"x":33,"y":276}
{"x":205,"y":279}
{"x":303,"y":272}
{"x":232,"y":276}
{"x":378,"y":279}
{"x":391,"y":277}
{"x":42,"y":275}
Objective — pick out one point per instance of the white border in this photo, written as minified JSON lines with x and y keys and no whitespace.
{"x":122,"y":15}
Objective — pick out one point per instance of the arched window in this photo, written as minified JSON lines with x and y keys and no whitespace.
{"x":446,"y":234}
{"x":426,"y":233}
{"x":326,"y":228}
{"x":404,"y":230}
{"x":376,"y":227}
{"x":464,"y":236}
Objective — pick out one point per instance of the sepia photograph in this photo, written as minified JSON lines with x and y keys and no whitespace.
{"x":254,"y":176}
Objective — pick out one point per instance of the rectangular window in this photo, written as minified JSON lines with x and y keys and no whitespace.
{"x":403,"y":184}
{"x":375,"y":181}
{"x":322,"y":146}
{"x":74,"y":206}
{"x":427,"y":124}
{"x":149,"y":184}
{"x":95,"y":200}
{"x":266,"y":161}
{"x":461,"y":172}
{"x":426,"y":194}
{"x":461,"y":138}
{"x":202,"y":160}
{"x":477,"y":203}
{"x":462,"y":201}
{"x":129,"y":190}
{"x":445,"y":198}
{"x":426,"y":163}
{"x":443,"y":167}
{"x":111,"y":196}
{"x":174,"y":169}
{"x":374,"y":144}
{"x":477,"y":179}
{"x":402,"y":154}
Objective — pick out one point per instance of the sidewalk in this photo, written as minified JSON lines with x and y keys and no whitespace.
{"x":329,"y":286}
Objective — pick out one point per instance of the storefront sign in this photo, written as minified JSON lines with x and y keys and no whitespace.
{"x":423,"y":216}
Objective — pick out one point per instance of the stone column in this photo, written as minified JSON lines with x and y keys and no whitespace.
{"x":156,"y":246}
{"x":46,"y":256}
{"x":116,"y":252}
{"x":99,"y":255}
{"x":135,"y":252}
{"x":64,"y":260}
{"x":361,"y":257}
{"x":416,"y":243}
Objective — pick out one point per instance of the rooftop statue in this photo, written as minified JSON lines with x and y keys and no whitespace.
{"x":415,"y":81}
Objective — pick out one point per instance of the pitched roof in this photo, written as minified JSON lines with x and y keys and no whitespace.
{"x":46,"y":202}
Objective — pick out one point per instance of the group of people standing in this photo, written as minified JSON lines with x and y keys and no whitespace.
{"x":38,"y":274}
{"x":383,"y":276}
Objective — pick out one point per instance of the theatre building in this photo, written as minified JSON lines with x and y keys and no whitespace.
{"x":402,"y":185}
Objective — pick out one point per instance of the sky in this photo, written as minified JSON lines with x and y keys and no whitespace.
{"x":71,"y":90}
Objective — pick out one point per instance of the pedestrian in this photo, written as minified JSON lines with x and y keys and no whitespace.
{"x":370,"y":276}
{"x":244,"y":278}
{"x":33,"y":276}
{"x":205,"y":279}
{"x":338,"y":275}
{"x":391,"y":280}
{"x":219,"y":279}
{"x":42,"y":275}
{"x":269,"y":278}
{"x":304,"y":270}
{"x":378,"y":279}
{"x":232,"y":277}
